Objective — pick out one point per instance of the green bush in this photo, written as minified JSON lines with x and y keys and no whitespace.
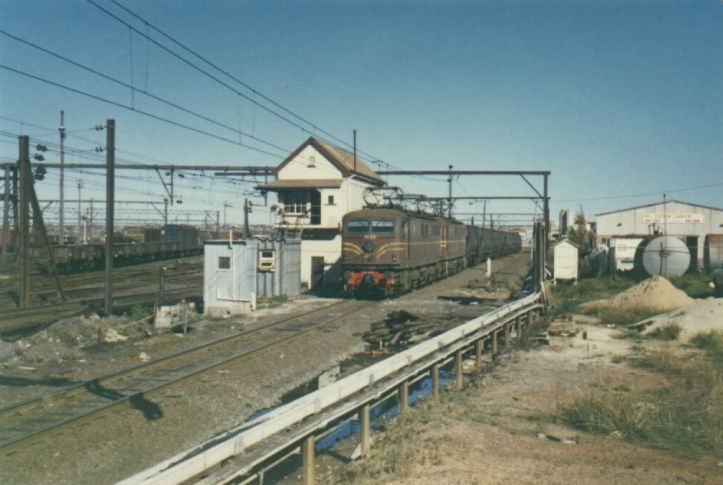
{"x":711,"y":342}
{"x":696,"y":285}
{"x":669,"y":331}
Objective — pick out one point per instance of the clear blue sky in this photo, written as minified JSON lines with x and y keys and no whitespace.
{"x":616,"y":98}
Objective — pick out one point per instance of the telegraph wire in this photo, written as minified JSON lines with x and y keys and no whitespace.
{"x":201,"y":70}
{"x":231,"y":76}
{"x":643,"y":194}
{"x":129,"y":108}
{"x":133,"y":90}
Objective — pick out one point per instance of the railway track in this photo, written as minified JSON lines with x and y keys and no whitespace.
{"x":48,"y":413}
{"x":43,"y":287}
{"x":132,"y":287}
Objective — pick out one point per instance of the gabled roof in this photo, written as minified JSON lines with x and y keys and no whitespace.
{"x":302,"y":184}
{"x":659,"y":203}
{"x":340,"y":158}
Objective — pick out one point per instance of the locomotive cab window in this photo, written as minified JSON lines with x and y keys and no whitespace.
{"x":383,"y":227}
{"x":357,"y":227}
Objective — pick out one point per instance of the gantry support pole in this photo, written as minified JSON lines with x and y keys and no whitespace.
{"x":109,"y":207}
{"x":6,"y":215}
{"x":24,"y":220}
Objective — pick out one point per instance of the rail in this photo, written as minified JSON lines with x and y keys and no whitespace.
{"x":301,"y":419}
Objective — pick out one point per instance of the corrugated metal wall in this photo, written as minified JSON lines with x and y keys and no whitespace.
{"x":232,"y":280}
{"x":286,"y":280}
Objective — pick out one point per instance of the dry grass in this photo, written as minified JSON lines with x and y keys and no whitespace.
{"x":686,"y":415}
{"x":397,"y":450}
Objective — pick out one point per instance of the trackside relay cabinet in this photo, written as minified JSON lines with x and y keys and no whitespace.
{"x":237,"y":272}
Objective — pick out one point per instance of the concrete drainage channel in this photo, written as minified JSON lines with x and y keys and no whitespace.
{"x":289,"y":466}
{"x":268,"y":447}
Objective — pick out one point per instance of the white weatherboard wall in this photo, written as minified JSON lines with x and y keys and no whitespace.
{"x":565,"y":261}
{"x":331,"y":252}
{"x":309,"y":164}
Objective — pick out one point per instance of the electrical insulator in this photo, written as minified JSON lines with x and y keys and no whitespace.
{"x":99,"y":149}
{"x":99,"y":127}
{"x":40,"y":173}
{"x":38,"y":157}
{"x":41,"y":148}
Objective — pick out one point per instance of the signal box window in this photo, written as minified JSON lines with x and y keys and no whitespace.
{"x":224,"y":262}
{"x":330,"y":200}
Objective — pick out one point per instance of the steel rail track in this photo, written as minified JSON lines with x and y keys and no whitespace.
{"x":20,"y":421}
{"x":29,"y":318}
{"x":44,"y":285}
{"x":88,"y":292}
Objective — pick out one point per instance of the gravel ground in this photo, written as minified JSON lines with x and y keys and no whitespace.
{"x":115,"y":446}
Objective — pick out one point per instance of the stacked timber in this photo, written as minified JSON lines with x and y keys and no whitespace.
{"x":402,"y":329}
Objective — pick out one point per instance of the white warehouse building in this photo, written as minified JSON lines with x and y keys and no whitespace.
{"x":691,"y":223}
{"x":316,"y":185}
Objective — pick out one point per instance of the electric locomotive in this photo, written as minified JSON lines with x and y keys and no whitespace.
{"x":390,"y":251}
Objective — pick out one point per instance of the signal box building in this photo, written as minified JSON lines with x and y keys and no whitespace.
{"x":694,"y":224}
{"x":316,"y":185}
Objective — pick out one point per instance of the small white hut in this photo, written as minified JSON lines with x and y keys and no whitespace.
{"x":566,"y":260}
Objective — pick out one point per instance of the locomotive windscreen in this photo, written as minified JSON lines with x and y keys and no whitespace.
{"x":357,"y":226}
{"x":382,"y":226}
{"x":377,"y":226}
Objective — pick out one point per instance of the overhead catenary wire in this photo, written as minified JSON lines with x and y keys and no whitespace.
{"x":223,"y":71}
{"x":203,"y":71}
{"x":142,"y":112}
{"x":133,"y":90}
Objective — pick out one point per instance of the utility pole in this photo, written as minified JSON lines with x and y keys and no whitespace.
{"x":247,"y":209}
{"x":354,"y":151}
{"x":62,"y":178}
{"x":449,"y":201}
{"x":546,"y":215}
{"x":6,"y":214}
{"x":24,"y":221}
{"x":109,"y":206}
{"x":80,"y":227}
{"x":165,"y":212}
{"x":89,"y":224}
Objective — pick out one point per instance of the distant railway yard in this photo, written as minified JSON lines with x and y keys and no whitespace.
{"x":136,"y":286}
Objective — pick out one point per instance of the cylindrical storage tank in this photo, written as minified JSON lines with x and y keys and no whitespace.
{"x":713,"y":251}
{"x":666,"y":256}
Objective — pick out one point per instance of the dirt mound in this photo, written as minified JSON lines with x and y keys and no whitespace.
{"x":656,"y":293}
{"x":703,"y":316}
